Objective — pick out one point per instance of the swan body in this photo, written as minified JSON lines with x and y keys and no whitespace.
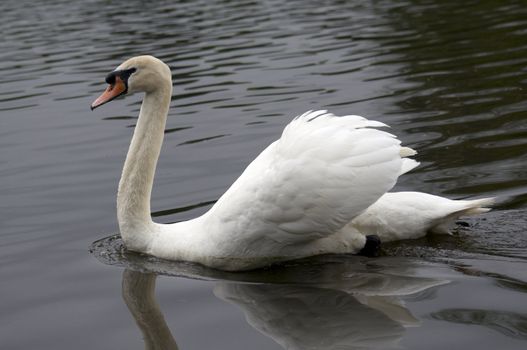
{"x":307,"y":193}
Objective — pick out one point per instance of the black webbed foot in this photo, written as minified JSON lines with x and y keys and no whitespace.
{"x":462,"y":223}
{"x":372,"y":248}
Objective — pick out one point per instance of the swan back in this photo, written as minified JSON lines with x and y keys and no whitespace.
{"x":410,"y":215}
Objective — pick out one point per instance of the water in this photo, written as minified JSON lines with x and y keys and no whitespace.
{"x":448,"y":77}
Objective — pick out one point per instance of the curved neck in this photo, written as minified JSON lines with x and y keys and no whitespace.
{"x":135,"y":186}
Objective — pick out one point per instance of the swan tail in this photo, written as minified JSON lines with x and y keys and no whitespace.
{"x":470,"y":207}
{"x":407,"y":152}
{"x":479,"y":206}
{"x":408,"y":165}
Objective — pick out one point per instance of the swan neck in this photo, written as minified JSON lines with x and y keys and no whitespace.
{"x":135,"y":186}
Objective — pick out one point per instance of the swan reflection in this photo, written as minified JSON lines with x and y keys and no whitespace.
{"x":364,"y":312}
{"x":139,"y":296}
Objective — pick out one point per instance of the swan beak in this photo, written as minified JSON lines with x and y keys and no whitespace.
{"x":112,"y":91}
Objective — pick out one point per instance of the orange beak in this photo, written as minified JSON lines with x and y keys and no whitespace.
{"x":112,"y":91}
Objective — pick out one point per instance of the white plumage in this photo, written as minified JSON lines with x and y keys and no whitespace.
{"x":310,"y":192}
{"x":321,"y":173}
{"x":405,"y":215}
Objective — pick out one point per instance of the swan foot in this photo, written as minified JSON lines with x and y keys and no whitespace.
{"x":372,"y":248}
{"x":462,"y":223}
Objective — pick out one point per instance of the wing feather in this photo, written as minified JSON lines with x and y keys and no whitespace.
{"x":323,"y":171}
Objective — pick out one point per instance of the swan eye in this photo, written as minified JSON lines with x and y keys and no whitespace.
{"x":124,"y":74}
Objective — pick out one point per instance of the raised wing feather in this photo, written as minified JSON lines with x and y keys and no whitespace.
{"x":321,"y":173}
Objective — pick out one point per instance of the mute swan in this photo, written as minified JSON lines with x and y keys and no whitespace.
{"x":302,"y":196}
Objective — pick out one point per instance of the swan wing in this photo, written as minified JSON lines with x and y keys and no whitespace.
{"x":321,"y":173}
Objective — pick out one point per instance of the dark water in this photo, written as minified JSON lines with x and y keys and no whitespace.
{"x":449,"y":77}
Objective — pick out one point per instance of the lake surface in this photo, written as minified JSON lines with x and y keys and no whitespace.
{"x":449,"y":77}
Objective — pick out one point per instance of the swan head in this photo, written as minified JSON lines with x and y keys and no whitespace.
{"x":138,"y":74}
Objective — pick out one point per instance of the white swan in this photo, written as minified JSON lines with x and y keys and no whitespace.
{"x":296,"y":199}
